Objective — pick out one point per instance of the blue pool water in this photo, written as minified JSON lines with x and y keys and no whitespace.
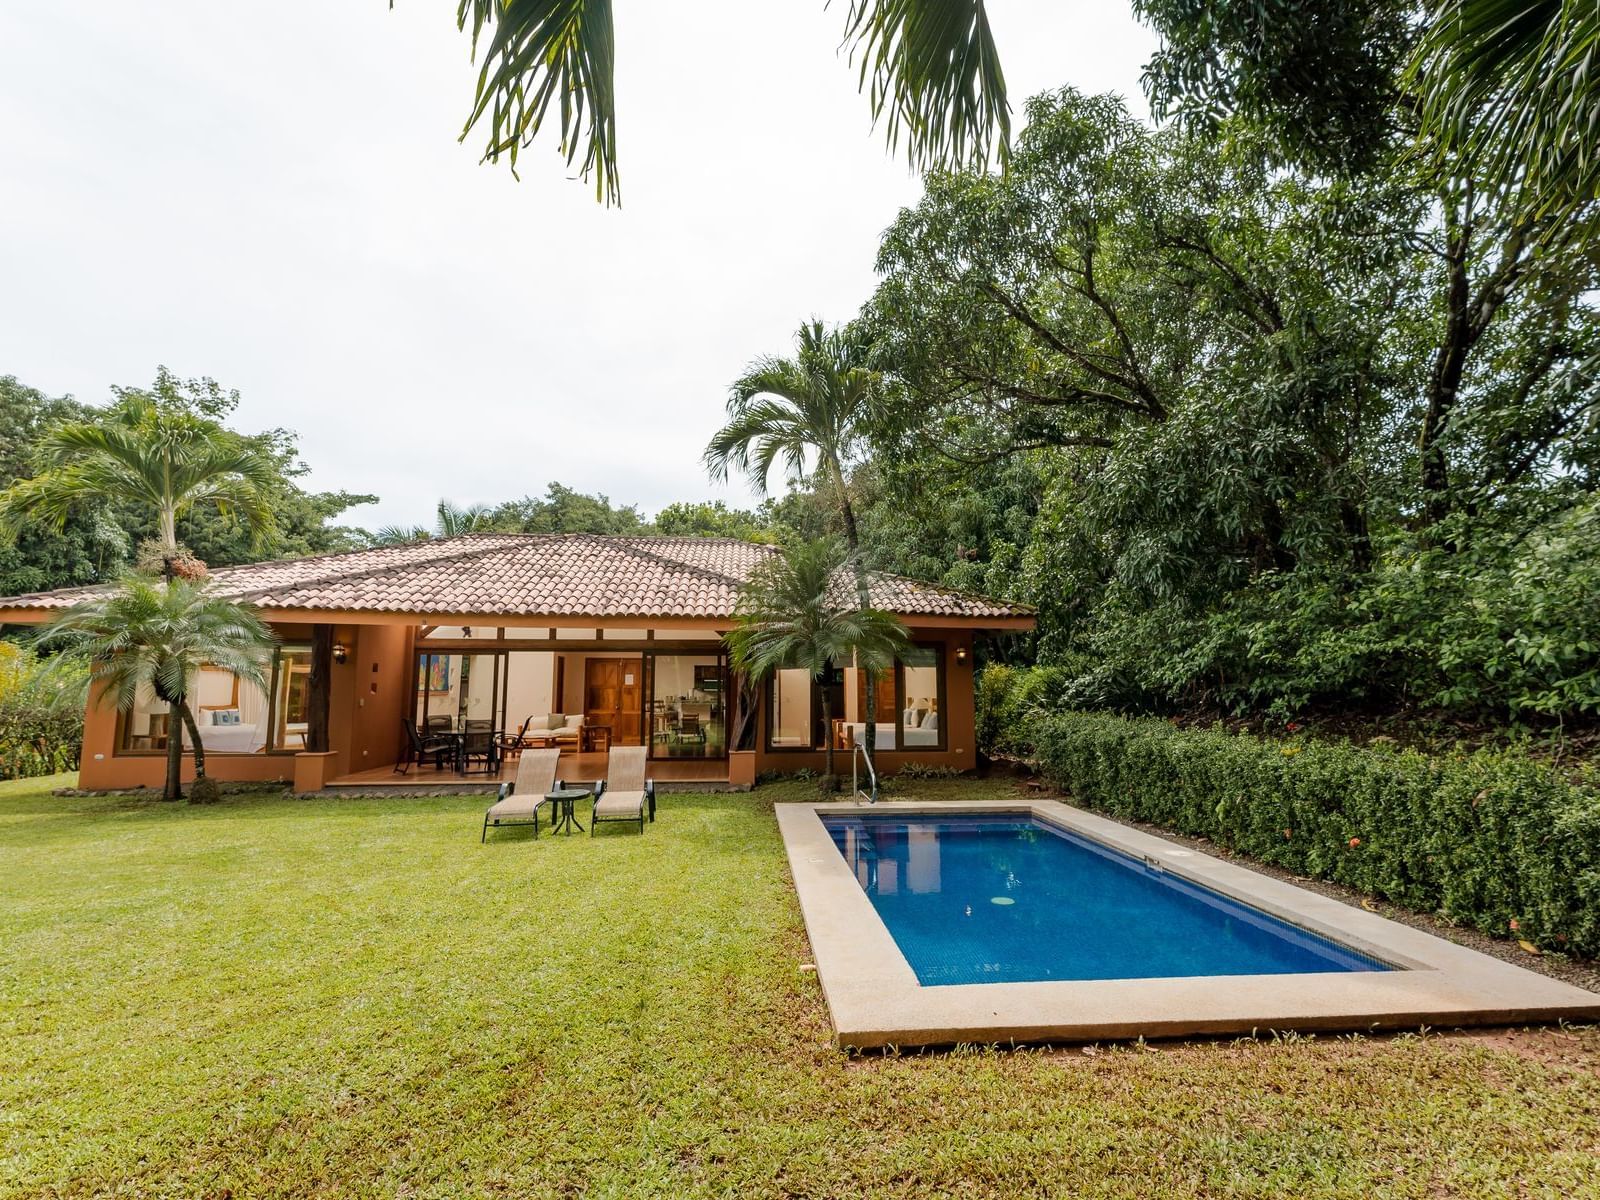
{"x":1010,"y":899}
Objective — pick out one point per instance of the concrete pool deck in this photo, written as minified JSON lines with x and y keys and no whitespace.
{"x":875,"y":1000}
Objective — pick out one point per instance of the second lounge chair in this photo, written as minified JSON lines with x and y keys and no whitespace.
{"x":626,"y":794}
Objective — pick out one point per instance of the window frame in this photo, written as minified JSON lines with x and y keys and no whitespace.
{"x":119,"y":744}
{"x":941,"y":678}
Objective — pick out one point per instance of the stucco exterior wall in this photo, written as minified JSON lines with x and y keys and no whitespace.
{"x":369,"y":698}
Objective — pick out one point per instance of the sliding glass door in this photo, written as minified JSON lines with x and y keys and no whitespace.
{"x":688,"y":706}
{"x":462,"y":692}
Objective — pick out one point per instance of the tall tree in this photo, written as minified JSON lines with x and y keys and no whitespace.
{"x":1259,"y":413}
{"x":930,"y":66}
{"x":145,"y":637}
{"x":793,"y":612}
{"x":812,"y":413}
{"x":154,"y":451}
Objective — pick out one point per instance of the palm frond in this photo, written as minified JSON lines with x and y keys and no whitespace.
{"x":540,"y":52}
{"x":816,"y":404}
{"x":798,"y":610}
{"x":147,"y":634}
{"x":933,"y":76}
{"x":1513,"y":87}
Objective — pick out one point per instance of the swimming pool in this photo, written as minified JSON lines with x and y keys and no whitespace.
{"x":1008,"y":899}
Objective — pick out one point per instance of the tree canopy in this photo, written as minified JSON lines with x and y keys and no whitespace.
{"x":1250,"y":435}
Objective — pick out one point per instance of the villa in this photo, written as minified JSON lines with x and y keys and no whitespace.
{"x":572,"y":640}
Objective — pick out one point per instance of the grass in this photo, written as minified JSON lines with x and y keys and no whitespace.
{"x":277,"y":997}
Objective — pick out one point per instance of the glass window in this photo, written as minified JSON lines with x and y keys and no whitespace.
{"x":793,"y":715}
{"x":854,"y":728}
{"x":291,"y":720}
{"x":688,"y":706}
{"x":460,"y":691}
{"x":146,"y":724}
{"x":920,"y":722}
{"x":232,"y":716}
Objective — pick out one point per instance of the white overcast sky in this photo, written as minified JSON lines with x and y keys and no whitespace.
{"x":273,"y":195}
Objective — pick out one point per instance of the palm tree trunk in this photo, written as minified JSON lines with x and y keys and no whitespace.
{"x":827,"y":740}
{"x":174,"y":787}
{"x":169,"y":542}
{"x":194,"y":736}
{"x":869,"y":741}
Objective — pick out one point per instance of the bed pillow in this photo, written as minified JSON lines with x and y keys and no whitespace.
{"x":225,"y":716}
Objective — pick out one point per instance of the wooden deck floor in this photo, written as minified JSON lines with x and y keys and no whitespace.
{"x":583,"y":768}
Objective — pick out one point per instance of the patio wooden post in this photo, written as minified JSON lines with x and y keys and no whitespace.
{"x":318,"y":688}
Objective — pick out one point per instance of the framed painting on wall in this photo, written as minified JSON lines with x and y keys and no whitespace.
{"x":435,"y":673}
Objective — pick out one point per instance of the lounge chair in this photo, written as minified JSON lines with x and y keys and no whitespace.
{"x":519,"y":799}
{"x":624,"y":794}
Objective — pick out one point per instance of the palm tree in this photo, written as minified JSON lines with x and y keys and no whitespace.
{"x":930,"y":68}
{"x":814,"y":407}
{"x":145,"y":637}
{"x":794,"y":612}
{"x":149,"y":453}
{"x":1514,"y":86}
{"x":449,"y":521}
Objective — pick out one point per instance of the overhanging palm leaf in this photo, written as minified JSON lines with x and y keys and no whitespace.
{"x":1514,"y":86}
{"x":930,"y":66}
{"x":540,"y":51}
{"x":935,"y":77}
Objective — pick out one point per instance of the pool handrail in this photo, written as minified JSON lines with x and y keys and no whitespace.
{"x":858,"y":751}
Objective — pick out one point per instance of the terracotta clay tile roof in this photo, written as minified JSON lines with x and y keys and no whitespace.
{"x":539,"y":575}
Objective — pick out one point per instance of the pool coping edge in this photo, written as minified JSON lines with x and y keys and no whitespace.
{"x":874,"y":998}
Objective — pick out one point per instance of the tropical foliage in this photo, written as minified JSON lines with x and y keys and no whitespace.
{"x":1513,"y":86}
{"x":811,"y":413}
{"x":798,"y":610}
{"x":100,"y":475}
{"x":41,"y":714}
{"x":148,"y":638}
{"x":930,"y":66}
{"x":1250,"y":437}
{"x":1491,"y":839}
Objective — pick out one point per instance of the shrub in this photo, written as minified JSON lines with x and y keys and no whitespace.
{"x":1492,"y":839}
{"x":1011,"y":699}
{"x":41,"y":714}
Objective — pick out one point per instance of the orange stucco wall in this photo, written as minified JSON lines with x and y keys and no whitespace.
{"x":368,"y":701}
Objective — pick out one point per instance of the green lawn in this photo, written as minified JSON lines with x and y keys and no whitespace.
{"x":352,"y":997}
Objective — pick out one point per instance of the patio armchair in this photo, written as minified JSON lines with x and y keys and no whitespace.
{"x":519,"y":799}
{"x":420,"y":745}
{"x":480,"y":741}
{"x":510,"y":744}
{"x":624,"y":794}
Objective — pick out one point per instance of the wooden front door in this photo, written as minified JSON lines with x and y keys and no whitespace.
{"x":612,"y":689}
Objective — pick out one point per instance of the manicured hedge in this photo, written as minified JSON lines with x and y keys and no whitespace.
{"x":1494,"y":839}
